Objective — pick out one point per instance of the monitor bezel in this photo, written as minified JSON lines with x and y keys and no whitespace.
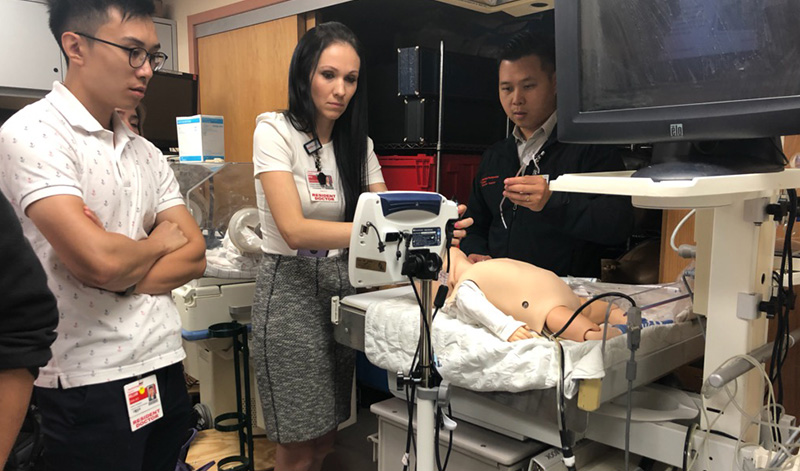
{"x":752,"y":118}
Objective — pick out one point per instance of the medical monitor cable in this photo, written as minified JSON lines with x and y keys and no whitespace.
{"x":790,"y":296}
{"x":588,"y":303}
{"x":685,"y":250}
{"x":567,"y":454}
{"x":634,"y":337}
{"x":409,"y":383}
{"x":434,"y":373}
{"x":784,"y":301}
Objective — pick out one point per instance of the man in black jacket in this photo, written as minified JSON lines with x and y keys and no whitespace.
{"x":515,"y":213}
{"x":28,"y":318}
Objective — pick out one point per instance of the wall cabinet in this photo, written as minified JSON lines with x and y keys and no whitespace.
{"x":167,"y":31}
{"x":30,"y":56}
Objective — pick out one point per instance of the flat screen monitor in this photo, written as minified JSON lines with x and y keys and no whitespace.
{"x":168,"y":96}
{"x":709,"y":82}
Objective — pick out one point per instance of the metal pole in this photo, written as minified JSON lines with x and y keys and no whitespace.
{"x":426,"y":393}
{"x":736,"y":368}
{"x":441,"y":105}
{"x":424,"y":338}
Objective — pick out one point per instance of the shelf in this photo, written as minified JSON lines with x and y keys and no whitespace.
{"x":703,"y":192}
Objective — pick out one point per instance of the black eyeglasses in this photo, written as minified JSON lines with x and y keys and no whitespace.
{"x":137,"y":56}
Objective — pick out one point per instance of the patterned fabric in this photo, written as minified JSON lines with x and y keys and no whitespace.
{"x":55,"y":147}
{"x":304,"y":376}
{"x":645,"y":323}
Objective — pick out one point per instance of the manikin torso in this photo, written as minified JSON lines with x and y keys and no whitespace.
{"x":524,"y":291}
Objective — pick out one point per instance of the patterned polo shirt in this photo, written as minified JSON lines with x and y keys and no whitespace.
{"x":55,"y":147}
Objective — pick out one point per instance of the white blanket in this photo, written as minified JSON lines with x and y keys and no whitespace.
{"x":471,"y":357}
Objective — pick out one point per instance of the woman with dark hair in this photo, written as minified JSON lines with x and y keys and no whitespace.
{"x":133,"y":118}
{"x":311,"y":163}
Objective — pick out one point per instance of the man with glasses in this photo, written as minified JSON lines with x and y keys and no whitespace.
{"x":102,"y":210}
{"x":515,"y":213}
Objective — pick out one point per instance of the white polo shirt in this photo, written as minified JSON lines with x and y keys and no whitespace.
{"x":55,"y":147}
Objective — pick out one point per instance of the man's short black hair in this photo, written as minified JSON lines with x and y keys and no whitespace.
{"x":528,"y":43}
{"x":86,"y":16}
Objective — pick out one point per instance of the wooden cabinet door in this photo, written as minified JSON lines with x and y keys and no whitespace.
{"x":243,"y":73}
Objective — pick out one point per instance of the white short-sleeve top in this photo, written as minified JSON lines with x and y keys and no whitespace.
{"x":279,"y":147}
{"x":55,"y":147}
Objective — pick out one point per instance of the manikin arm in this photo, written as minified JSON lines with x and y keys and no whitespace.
{"x":472,"y":307}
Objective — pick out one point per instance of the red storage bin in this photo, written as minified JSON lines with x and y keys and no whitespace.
{"x":409,"y":172}
{"x":456,"y":175}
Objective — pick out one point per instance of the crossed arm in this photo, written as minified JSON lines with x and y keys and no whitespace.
{"x":173,"y":253}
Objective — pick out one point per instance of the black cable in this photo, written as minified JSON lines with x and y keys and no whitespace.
{"x":433,"y":375}
{"x":566,"y":440}
{"x":790,"y":296}
{"x":410,"y":430}
{"x":381,"y":245}
{"x":686,"y":443}
{"x":449,"y":445}
{"x":590,"y":301}
{"x":433,"y":372}
{"x":686,"y":284}
{"x":439,"y":424}
{"x":628,"y":413}
{"x":785,"y":301}
{"x":427,"y":328}
{"x":436,"y":439}
{"x":410,"y":389}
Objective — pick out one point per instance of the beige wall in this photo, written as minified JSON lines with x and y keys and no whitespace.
{"x":179,"y":10}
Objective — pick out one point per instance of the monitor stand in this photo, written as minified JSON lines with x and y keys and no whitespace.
{"x":684,"y":160}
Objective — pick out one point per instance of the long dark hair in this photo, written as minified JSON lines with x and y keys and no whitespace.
{"x":350,"y":130}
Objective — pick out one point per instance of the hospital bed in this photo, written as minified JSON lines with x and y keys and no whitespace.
{"x":527,"y":413}
{"x":734,"y":263}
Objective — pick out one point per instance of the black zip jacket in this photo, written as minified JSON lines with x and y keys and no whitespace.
{"x":28,"y":312}
{"x":569,"y":234}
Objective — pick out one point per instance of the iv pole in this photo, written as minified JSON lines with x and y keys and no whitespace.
{"x":427,"y":392}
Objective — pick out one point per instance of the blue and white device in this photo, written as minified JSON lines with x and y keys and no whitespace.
{"x":397,"y":234}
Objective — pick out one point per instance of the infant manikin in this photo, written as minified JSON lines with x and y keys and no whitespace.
{"x":513,"y":298}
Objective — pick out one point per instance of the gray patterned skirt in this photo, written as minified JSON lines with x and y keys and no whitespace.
{"x":304,"y":377}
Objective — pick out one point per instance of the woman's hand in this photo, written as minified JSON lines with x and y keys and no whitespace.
{"x":460,"y":226}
